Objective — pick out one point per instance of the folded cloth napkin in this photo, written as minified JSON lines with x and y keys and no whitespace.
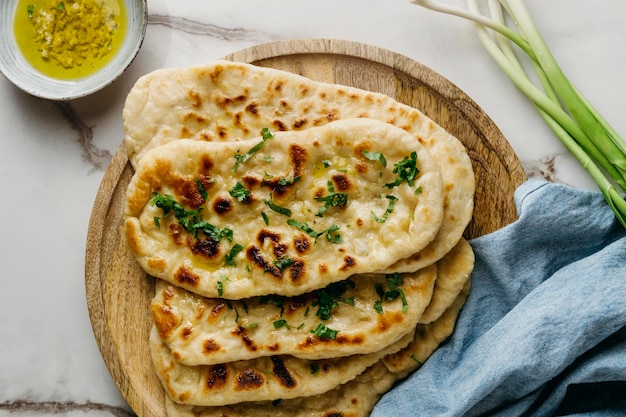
{"x":543,"y":331}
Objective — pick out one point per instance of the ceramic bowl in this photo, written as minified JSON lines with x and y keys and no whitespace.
{"x":16,"y":69}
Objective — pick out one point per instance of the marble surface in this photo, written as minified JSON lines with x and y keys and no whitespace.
{"x":54,"y":155}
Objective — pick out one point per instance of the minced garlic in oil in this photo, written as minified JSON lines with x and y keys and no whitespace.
{"x":69,"y":39}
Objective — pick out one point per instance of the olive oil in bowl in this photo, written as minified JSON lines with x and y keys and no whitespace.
{"x":69,"y":39}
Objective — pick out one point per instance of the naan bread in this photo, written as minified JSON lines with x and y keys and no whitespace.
{"x":226,"y":101}
{"x":453,"y":271}
{"x":354,"y":399}
{"x":285,"y":238}
{"x":204,"y":331}
{"x":263,"y":379}
{"x":428,"y":337}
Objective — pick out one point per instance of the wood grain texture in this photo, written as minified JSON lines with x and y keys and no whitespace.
{"x":119,"y":292}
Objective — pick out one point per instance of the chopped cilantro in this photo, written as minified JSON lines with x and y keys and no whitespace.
{"x":332,"y":199}
{"x":230,"y":256}
{"x":241,"y":159}
{"x":388,"y":211}
{"x":201,"y":190}
{"x":167,"y":203}
{"x":240,"y":192}
{"x":212,"y":231}
{"x":281,"y":323}
{"x":30,"y":9}
{"x":375,"y":156}
{"x":283,"y":263}
{"x":394,"y":281}
{"x":220,"y":288}
{"x":329,"y":297}
{"x":325,"y":332}
{"x":331,"y":234}
{"x":278,"y":209}
{"x":289,"y":180}
{"x":266,"y":220}
{"x":406,"y":170}
{"x":60,"y":6}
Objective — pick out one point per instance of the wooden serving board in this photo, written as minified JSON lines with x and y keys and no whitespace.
{"x":119,"y":292}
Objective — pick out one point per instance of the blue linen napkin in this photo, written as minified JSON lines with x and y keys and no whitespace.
{"x":543,"y":331}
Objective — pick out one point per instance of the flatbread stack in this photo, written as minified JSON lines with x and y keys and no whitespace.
{"x":305,"y":237}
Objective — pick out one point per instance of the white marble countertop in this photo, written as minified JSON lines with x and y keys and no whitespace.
{"x":55,"y":154}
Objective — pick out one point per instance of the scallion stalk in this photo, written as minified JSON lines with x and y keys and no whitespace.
{"x":580,"y":127}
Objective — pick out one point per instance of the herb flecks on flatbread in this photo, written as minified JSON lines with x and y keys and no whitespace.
{"x":227,"y":101}
{"x":364,"y":314}
{"x":190,"y":221}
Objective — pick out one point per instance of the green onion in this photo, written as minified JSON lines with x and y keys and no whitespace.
{"x":578,"y":125}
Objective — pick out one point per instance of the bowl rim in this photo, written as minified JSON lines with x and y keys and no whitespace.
{"x":137,"y":15}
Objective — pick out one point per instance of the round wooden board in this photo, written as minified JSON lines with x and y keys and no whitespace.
{"x":119,"y":292}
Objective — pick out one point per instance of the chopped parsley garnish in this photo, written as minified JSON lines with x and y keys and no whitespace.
{"x":30,"y":9}
{"x":333,"y":199}
{"x":241,"y":159}
{"x":186,"y":218}
{"x":325,"y":332}
{"x":201,"y":190}
{"x":383,"y":219}
{"x":283,"y":263}
{"x":230,"y":256}
{"x":394,"y":281}
{"x":60,"y":6}
{"x":326,"y":163}
{"x":314,"y":368}
{"x":406,"y":170}
{"x":375,"y":156}
{"x":278,"y":209}
{"x":281,"y":323}
{"x":289,"y":180}
{"x":239,"y":192}
{"x":328,"y":298}
{"x":220,"y":288}
{"x":330,"y":233}
{"x":266,"y":220}
{"x":212,"y":231}
{"x":304,"y":227}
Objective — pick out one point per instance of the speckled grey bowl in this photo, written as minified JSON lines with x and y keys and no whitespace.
{"x":17,"y":70}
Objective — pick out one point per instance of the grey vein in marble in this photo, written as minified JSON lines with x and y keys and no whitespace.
{"x":206,"y":29}
{"x":96,"y":157}
{"x":18,"y":407}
